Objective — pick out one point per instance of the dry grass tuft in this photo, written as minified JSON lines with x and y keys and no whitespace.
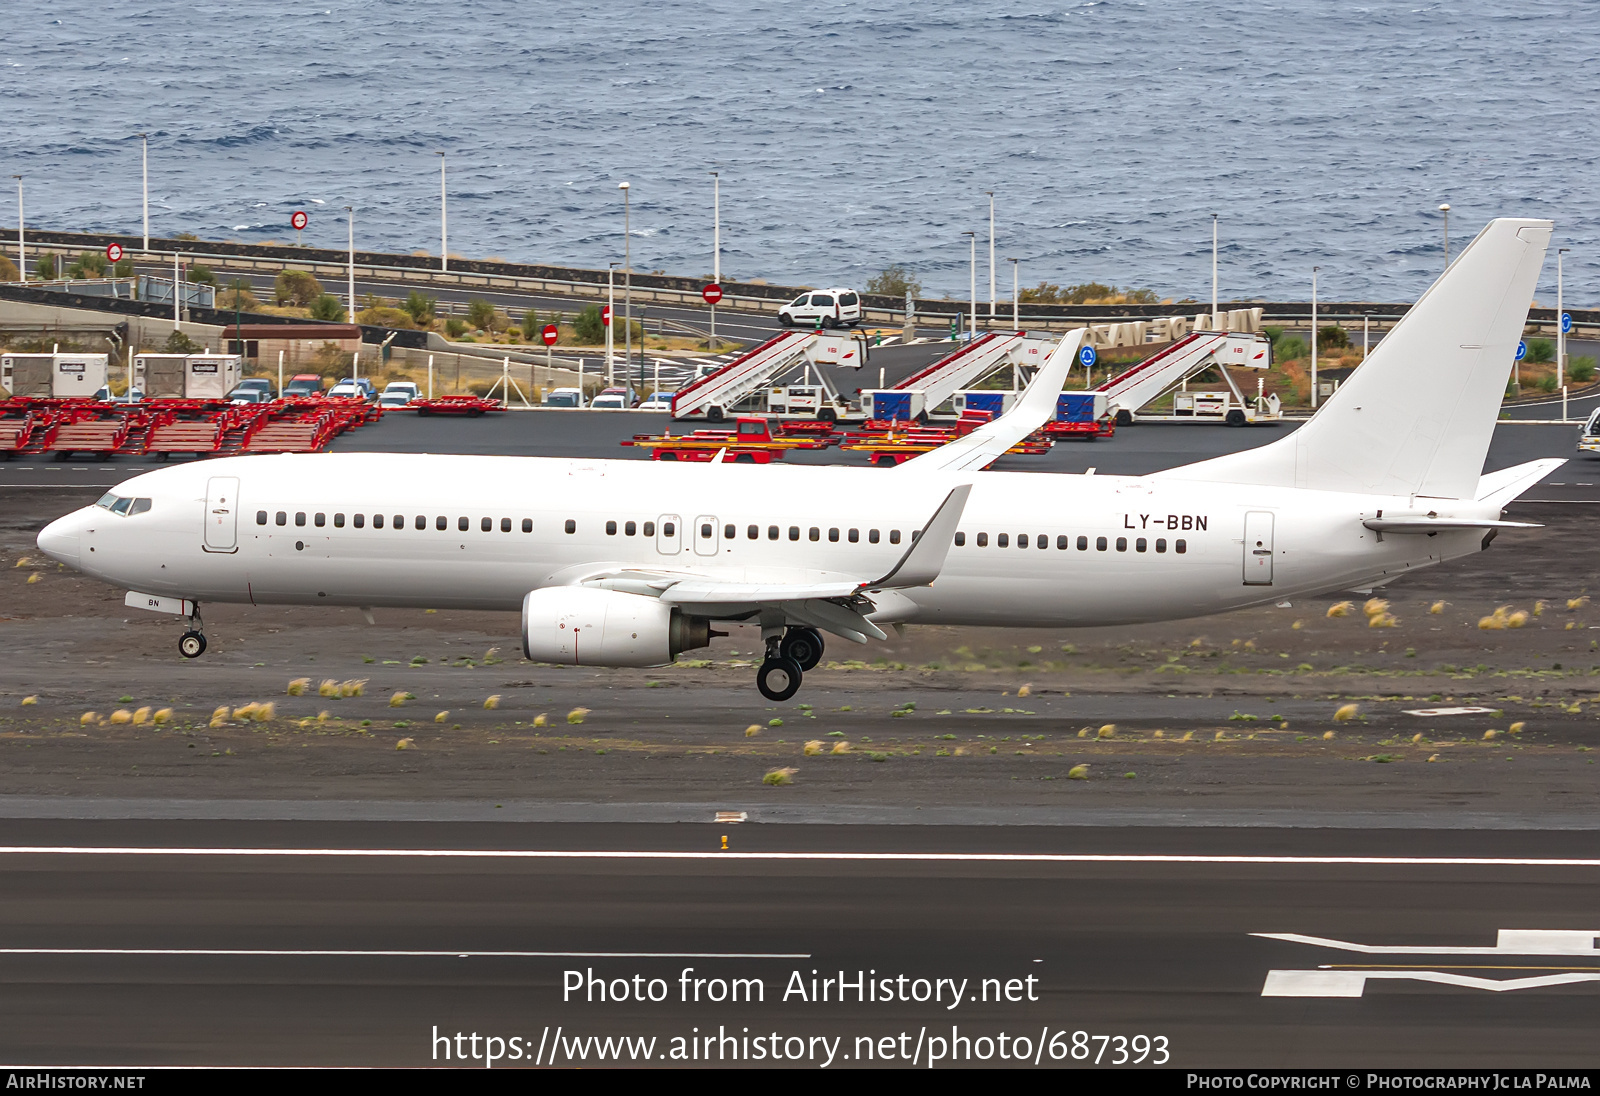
{"x":24,"y":562}
{"x":122,"y":715}
{"x":142,"y":716}
{"x":87,"y":718}
{"x":220,"y":715}
{"x":1026,"y":690}
{"x":1161,"y":734}
{"x":245,"y":711}
{"x":1327,"y":736}
{"x":541,"y":720}
{"x":1383,"y":620}
{"x":398,"y":700}
{"x":1084,"y":733}
{"x":1517,"y":728}
{"x":1517,"y":619}
{"x":577,"y":715}
{"x":265,"y":712}
{"x":1433,"y":757}
{"x":1078,"y":772}
{"x":1108,"y":731}
{"x":841,"y":748}
{"x":1575,"y":603}
{"x":299,"y":685}
{"x":162,"y":715}
{"x":779,"y":777}
{"x":329,"y":687}
{"x":1340,"y":610}
{"x":1220,"y":736}
{"x":1437,"y":607}
{"x":356,"y":686}
{"x":752,"y":730}
{"x":1375,"y":606}
{"x":1497,"y":620}
{"x":1416,"y":739}
{"x":35,"y":577}
{"x":1297,"y":625}
{"x":1188,"y":736}
{"x":1538,"y":608}
{"x":442,"y":717}
{"x":29,"y":700}
{"x":1490,"y":734}
{"x":1346,"y":713}
{"x":323,"y":716}
{"x":405,"y":744}
{"x":813,"y":748}
{"x":492,"y":702}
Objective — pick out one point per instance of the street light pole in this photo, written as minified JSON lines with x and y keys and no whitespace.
{"x":350,"y":283}
{"x":1016,"y":298}
{"x":1216,"y":323}
{"x":1561,"y":335}
{"x":144,"y":157}
{"x":611,"y":323}
{"x":627,"y":277}
{"x":1314,"y":336}
{"x":22,"y":254}
{"x":444,"y":222}
{"x":972,"y":271}
{"x":716,"y":250}
{"x":1445,"y":209}
{"x":991,"y":256}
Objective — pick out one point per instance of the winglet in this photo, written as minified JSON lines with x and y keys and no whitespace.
{"x":925,"y":558}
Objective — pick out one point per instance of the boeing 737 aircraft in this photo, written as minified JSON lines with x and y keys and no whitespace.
{"x":628,"y":563}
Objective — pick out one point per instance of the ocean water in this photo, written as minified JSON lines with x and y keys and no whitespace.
{"x":847,"y":135}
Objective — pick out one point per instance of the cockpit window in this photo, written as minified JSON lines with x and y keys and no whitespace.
{"x":107,"y":499}
{"x":123,"y":506}
{"x":140,"y":506}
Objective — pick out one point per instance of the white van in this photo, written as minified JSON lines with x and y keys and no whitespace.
{"x":836,"y":307}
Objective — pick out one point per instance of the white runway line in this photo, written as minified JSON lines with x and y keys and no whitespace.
{"x":840,"y":857}
{"x":380,"y":953}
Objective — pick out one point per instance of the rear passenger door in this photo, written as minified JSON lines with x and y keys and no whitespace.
{"x":706,"y":539}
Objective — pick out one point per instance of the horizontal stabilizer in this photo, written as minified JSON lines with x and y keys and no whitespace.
{"x":1429,"y":526}
{"x":1507,"y":484}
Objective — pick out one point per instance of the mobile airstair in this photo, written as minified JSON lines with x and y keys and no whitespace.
{"x":925,"y":391}
{"x":754,"y":377}
{"x":1154,"y":377}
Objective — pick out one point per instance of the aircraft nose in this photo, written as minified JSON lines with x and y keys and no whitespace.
{"x":59,"y":540}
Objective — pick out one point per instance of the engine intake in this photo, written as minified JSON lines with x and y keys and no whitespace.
{"x":583,"y":626}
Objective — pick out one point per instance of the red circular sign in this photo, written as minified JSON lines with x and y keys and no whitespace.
{"x":298,"y":219}
{"x":712,"y":293}
{"x":605,"y":314}
{"x":114,"y":252}
{"x":551,"y":334}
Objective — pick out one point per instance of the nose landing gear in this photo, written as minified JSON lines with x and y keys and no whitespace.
{"x":192,"y":644}
{"x":789,"y":655}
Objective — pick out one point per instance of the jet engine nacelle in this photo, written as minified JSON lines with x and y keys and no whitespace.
{"x":583,"y":626}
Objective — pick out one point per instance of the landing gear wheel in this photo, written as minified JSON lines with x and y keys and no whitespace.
{"x":192,"y":644}
{"x":804,"y":646}
{"x":1234,"y":418}
{"x":778,"y":678}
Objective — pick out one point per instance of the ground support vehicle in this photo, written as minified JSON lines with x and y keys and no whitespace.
{"x":472,"y":406}
{"x":1081,"y":415}
{"x":750,"y":442}
{"x":786,"y":365}
{"x":892,"y":443}
{"x":1149,"y":380}
{"x":305,"y":426}
{"x":926,"y":391}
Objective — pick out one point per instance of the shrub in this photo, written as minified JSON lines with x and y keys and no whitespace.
{"x":1541,"y":350}
{"x":1580,"y":369}
{"x":44,"y":268}
{"x":238,"y":296}
{"x":296,"y":287}
{"x":8,"y":270}
{"x":531,"y":324}
{"x":1549,"y":383}
{"x":589,"y":325}
{"x":895,"y":280}
{"x":88,"y":264}
{"x":1087,"y":293}
{"x":420,"y":307}
{"x":327,"y":307}
{"x":382,"y":316}
{"x":123,"y":268}
{"x":480,"y":314}
{"x":179,"y":343}
{"x":201,"y":275}
{"x":455,"y":327}
{"x":1288,"y":349}
{"x":1332,"y":337}
{"x":330,"y":361}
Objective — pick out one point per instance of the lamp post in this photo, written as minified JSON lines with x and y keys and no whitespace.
{"x":1561,"y":334}
{"x":991,"y":256}
{"x":444,"y":222}
{"x":1016,"y":297}
{"x":627,"y":276}
{"x":972,"y":271}
{"x":1314,"y":336}
{"x":1216,"y":323}
{"x":1366,"y":329}
{"x":611,"y":323}
{"x":22,"y":255}
{"x":716,"y":250}
{"x":350,"y":281}
{"x":1445,"y":209}
{"x":144,"y":159}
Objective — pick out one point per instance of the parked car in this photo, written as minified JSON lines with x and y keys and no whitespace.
{"x":658,"y":401}
{"x":563,"y":397}
{"x":399,"y":394}
{"x":258,"y":384}
{"x":613,"y":402}
{"x":354,"y":388}
{"x":836,"y":307}
{"x":303,"y":384}
{"x":249,"y":395}
{"x":132,"y":395}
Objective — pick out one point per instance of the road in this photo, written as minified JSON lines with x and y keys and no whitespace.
{"x":306,"y":956}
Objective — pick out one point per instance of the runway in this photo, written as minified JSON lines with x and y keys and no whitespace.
{"x":288,"y":947}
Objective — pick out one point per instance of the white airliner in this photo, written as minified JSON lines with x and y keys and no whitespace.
{"x":627,"y":562}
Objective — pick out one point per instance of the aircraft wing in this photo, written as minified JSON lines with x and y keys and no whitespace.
{"x":1033,"y":409}
{"x":838,"y":606}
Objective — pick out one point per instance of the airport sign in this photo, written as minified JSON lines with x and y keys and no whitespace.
{"x":605,"y":314}
{"x":297,"y":219}
{"x":712,"y":293}
{"x":1522,"y":350}
{"x":1566,"y":323}
{"x":114,"y":252}
{"x":550,"y":334}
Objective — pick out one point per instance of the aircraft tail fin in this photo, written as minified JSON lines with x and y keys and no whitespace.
{"x":1417,"y":416}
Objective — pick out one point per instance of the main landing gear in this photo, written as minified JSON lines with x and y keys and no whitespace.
{"x":192,"y":644}
{"x":789,"y":655}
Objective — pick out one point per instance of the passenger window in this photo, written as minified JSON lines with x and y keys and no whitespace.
{"x":282,"y":518}
{"x":420,"y":521}
{"x":668,"y":528}
{"x":1061,"y":543}
{"x":847,"y":298}
{"x":359,"y":520}
{"x":319,"y":520}
{"x":1180,"y":546}
{"x":1140,"y":545}
{"x":833,"y":536}
{"x":649,"y":528}
{"x":983,"y":540}
{"x":261,"y":517}
{"x":630,"y":529}
{"x":572,"y":527}
{"x":487,"y":525}
{"x":872,"y":536}
{"x":1161,"y":544}
{"x":772,"y":532}
{"x":611,"y":528}
{"x":441,"y":523}
{"x":1022,"y":540}
{"x":1002,"y":540}
{"x":816,"y":534}
{"x":377,"y":521}
{"x":1122,"y":544}
{"x":855,"y":536}
{"x":1099,"y":544}
{"x":338,"y":521}
{"x":705,"y":530}
{"x":794,"y":532}
{"x":729,"y":532}
{"x":140,"y":506}
{"x":961,"y":539}
{"x":1083,"y":544}
{"x":299,"y":517}
{"x":915,"y":533}
{"x":463,"y":524}
{"x":754,"y":532}
{"x":527,"y":525}
{"x":399,"y":521}
{"x":822,"y":300}
{"x":894,"y":536}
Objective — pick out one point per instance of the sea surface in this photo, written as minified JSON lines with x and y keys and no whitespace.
{"x":848,"y":136}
